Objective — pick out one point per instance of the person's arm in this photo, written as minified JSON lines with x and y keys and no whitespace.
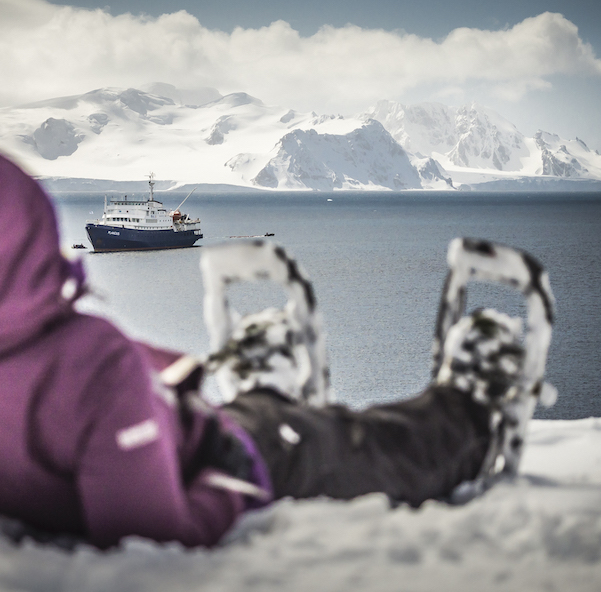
{"x":128,"y":475}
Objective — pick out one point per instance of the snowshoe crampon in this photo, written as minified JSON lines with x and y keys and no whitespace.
{"x":282,"y":349}
{"x":484,"y":354}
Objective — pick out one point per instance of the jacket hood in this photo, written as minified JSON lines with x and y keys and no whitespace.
{"x":37,"y":284}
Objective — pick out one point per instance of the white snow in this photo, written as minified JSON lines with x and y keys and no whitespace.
{"x":475,"y":144}
{"x":467,"y":136}
{"x":365,"y":158}
{"x":202,"y":137}
{"x":128,"y":133}
{"x":539,"y":533}
{"x":570,"y":158}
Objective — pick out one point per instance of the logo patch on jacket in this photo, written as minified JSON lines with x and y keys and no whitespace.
{"x":138,"y":435}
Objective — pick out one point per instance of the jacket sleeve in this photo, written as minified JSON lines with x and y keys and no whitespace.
{"x":129,"y":476}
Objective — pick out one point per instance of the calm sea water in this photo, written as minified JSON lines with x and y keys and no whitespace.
{"x":378,"y":261}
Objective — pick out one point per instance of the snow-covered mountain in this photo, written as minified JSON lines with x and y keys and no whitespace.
{"x":237,"y":140}
{"x":116,"y":134}
{"x":467,"y":136}
{"x":475,"y":145}
{"x":307,"y":159}
{"x":566,"y":159}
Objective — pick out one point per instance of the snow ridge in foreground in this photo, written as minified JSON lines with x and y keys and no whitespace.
{"x":540,"y":532}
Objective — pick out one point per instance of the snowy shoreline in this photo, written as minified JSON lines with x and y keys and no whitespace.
{"x":539,"y":532}
{"x":57,"y":185}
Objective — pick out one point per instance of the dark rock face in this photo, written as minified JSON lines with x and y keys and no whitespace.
{"x":56,"y":137}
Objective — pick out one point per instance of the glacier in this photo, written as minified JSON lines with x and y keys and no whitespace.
{"x":238,"y":141}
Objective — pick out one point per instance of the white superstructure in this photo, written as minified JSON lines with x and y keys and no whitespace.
{"x":147,"y":214}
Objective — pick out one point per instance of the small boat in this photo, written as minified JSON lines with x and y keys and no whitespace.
{"x":78,"y":246}
{"x":251,"y":235}
{"x":136,"y":225}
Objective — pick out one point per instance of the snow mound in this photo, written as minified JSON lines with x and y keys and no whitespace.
{"x":196,"y":97}
{"x":540,"y":532}
{"x":130,"y":99}
{"x":237,"y":100}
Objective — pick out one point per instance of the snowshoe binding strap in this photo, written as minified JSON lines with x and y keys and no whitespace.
{"x":280,"y":349}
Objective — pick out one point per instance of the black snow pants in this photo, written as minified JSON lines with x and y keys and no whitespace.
{"x":412,"y":450}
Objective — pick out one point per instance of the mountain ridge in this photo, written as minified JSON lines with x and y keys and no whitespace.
{"x":115,"y":134}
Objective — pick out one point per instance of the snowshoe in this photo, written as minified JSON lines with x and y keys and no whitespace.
{"x":280,"y":349}
{"x":484,"y":354}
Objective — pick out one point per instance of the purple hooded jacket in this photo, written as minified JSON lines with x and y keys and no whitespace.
{"x":90,"y":442}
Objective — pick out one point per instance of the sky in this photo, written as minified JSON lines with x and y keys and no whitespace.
{"x":536,"y":62}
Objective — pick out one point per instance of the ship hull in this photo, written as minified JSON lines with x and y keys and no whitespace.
{"x":112,"y":238}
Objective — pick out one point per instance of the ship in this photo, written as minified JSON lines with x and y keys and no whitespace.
{"x":130,"y":224}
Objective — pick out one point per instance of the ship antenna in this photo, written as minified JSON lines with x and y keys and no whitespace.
{"x":151,"y":183}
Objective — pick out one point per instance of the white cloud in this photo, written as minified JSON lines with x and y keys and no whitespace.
{"x":47,"y":50}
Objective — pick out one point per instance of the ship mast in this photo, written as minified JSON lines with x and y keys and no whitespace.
{"x":151,"y":183}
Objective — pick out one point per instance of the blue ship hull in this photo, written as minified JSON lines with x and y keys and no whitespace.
{"x":114,"y":238}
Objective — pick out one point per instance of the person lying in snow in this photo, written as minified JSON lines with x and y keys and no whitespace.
{"x":103,"y":437}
